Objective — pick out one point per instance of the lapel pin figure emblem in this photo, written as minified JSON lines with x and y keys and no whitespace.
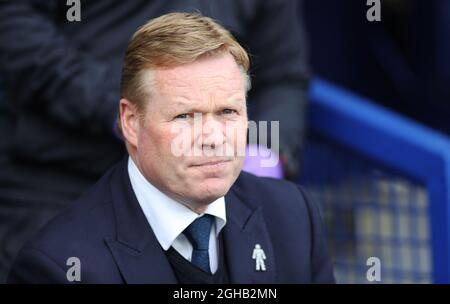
{"x":259,"y":256}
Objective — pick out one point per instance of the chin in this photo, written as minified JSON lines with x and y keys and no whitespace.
{"x":213,"y":188}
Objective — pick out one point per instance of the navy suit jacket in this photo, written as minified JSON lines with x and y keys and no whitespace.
{"x":108,"y":232}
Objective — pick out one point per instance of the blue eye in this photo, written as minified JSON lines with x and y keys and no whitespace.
{"x":229,"y":111}
{"x":182,"y":116}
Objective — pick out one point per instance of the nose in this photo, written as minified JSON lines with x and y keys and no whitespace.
{"x":212,"y":134}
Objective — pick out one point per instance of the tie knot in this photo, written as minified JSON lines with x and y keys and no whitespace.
{"x":198,"y":232}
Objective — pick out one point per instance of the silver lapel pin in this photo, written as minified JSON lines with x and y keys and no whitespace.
{"x":259,"y":256}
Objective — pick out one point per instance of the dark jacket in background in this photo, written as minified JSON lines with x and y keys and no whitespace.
{"x":61,"y":82}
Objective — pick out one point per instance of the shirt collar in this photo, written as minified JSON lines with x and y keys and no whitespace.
{"x":167,"y":217}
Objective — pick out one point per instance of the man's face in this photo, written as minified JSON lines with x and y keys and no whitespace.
{"x":194,"y":122}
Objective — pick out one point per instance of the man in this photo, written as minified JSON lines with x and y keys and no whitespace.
{"x":179,"y":209}
{"x":62,"y":84}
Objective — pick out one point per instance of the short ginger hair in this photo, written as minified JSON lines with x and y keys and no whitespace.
{"x":171,"y":40}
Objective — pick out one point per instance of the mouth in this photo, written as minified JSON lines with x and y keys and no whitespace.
{"x":212,"y":163}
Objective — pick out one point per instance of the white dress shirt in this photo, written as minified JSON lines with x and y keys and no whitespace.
{"x":168,"y":218}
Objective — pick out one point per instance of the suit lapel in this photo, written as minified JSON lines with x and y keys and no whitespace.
{"x":244,"y":229}
{"x":136,"y":250}
{"x":140,"y":258}
{"x":149,"y":266}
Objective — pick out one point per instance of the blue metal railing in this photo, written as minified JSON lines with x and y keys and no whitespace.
{"x":379,"y":150}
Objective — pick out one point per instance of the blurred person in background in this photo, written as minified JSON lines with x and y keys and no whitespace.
{"x":61,"y":85}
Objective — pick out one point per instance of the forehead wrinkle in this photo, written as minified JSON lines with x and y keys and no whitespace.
{"x":185,"y":91}
{"x":197,"y":90}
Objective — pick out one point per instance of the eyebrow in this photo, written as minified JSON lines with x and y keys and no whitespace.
{"x":192,"y":103}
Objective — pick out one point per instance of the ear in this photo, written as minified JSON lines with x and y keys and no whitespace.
{"x":129,"y":118}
